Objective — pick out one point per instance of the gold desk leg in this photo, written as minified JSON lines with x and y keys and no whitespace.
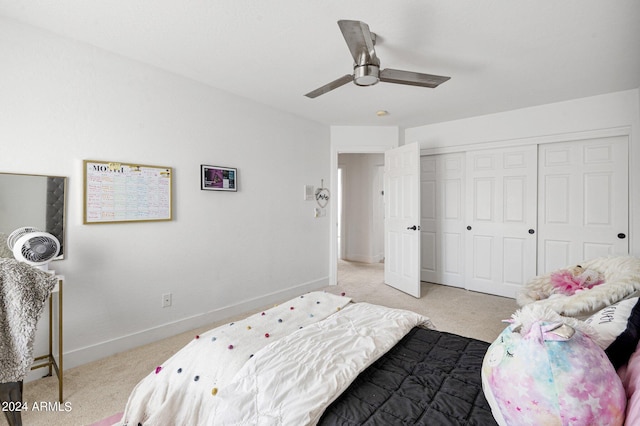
{"x":60,"y":340}
{"x":51,"y":360}
{"x":50,"y":333}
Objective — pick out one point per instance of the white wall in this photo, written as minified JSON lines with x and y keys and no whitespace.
{"x":610,"y":113}
{"x":362,"y":228}
{"x":62,"y":102}
{"x":617,"y":109}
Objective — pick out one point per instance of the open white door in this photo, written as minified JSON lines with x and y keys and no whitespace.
{"x":402,"y":218}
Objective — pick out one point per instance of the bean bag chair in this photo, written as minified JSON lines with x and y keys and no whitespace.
{"x":544,"y":369}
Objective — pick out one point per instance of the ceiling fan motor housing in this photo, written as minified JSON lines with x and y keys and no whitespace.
{"x":366,"y":75}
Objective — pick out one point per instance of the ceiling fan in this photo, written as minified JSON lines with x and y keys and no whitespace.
{"x":366,"y":69}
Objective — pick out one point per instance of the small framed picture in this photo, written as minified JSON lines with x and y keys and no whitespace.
{"x":215,"y":178}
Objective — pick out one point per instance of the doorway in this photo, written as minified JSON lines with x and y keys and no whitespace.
{"x":360,"y":204}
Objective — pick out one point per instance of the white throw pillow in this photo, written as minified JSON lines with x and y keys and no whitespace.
{"x":618,"y":329}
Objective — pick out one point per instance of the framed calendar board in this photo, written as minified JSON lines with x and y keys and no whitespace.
{"x":124,"y":192}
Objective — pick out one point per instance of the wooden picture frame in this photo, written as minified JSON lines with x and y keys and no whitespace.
{"x":126,"y":192}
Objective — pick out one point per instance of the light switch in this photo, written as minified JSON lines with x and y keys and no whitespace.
{"x":309,"y":193}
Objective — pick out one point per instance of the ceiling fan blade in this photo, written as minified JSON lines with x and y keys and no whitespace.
{"x":389,"y":75}
{"x":360,"y":42}
{"x":330,"y":86}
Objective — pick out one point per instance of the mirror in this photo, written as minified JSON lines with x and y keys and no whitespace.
{"x":32,"y":200}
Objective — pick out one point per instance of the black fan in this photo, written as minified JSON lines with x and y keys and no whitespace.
{"x":366,"y":69}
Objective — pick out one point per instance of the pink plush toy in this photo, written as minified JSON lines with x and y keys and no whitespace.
{"x":569,"y":281}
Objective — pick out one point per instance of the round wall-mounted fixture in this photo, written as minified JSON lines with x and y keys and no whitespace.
{"x":382,"y":113}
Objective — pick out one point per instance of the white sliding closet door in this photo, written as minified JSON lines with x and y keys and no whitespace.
{"x":501,"y":219}
{"x":442,"y":220}
{"x":584,"y":201}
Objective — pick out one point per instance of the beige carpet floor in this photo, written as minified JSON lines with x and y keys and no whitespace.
{"x":101,"y":388}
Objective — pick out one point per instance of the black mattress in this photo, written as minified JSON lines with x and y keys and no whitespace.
{"x":429,"y":378}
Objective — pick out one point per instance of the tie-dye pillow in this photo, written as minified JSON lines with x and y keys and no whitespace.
{"x":547,"y":372}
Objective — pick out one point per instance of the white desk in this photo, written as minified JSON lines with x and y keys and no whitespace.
{"x":49,"y":359}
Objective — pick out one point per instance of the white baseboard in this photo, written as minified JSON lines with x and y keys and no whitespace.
{"x":94,"y":352}
{"x":364,"y":258}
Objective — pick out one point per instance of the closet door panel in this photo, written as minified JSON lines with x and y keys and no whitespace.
{"x":593,"y":250}
{"x":514,"y":250}
{"x":598,"y":194}
{"x":583,"y":201}
{"x":428,"y":220}
{"x":483,"y":263}
{"x":501,"y":219}
{"x":514,"y":201}
{"x":452,"y":194}
{"x":557,"y":199}
{"x":428,"y":254}
{"x":554,"y":252}
{"x":484,"y":199}
{"x":442,"y":197}
{"x":451,"y":262}
{"x":451,"y":175}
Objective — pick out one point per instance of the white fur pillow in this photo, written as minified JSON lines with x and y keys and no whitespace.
{"x":621,"y":280}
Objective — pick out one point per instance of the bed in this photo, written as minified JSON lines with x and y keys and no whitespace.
{"x":318,"y":359}
{"x":569,"y":356}
{"x":428,"y":378}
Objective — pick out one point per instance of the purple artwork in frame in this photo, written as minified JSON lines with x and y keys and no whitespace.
{"x":215,"y":178}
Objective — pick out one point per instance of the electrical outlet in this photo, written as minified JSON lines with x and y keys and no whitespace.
{"x":166,"y":300}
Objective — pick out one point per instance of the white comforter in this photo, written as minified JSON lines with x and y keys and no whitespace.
{"x":293,"y":380}
{"x":290,"y":381}
{"x":179,"y":392}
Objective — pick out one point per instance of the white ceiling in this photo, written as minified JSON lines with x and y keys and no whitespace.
{"x":500,"y":54}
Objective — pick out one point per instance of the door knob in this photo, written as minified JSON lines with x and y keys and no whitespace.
{"x":413,"y":228}
{"x":531,"y":231}
{"x":468,"y":228}
{"x":622,"y":236}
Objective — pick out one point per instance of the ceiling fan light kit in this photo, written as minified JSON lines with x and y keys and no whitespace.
{"x":366,"y":75}
{"x":366,"y":69}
